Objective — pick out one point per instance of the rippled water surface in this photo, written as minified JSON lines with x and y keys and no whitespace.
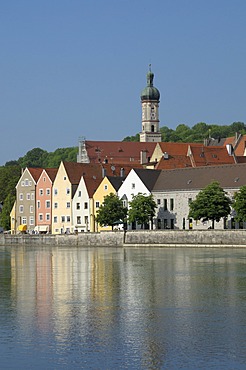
{"x":108,"y":308}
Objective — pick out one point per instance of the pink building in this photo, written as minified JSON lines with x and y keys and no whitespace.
{"x":44,"y":200}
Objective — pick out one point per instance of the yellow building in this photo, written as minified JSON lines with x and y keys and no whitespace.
{"x":108,"y":185}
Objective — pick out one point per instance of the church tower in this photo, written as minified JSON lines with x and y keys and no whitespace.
{"x":150,"y":98}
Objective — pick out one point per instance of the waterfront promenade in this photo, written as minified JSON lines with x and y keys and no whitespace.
{"x":136,"y":238}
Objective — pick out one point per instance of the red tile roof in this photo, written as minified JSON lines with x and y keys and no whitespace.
{"x":117,"y":151}
{"x":207,"y":156}
{"x":35,"y":172}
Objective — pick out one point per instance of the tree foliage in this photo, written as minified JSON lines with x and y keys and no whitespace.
{"x":111,"y":211}
{"x":9,"y":176}
{"x":7,"y":208}
{"x":142,"y":209}
{"x":197,"y":133}
{"x":239,"y":204}
{"x":211,"y":204}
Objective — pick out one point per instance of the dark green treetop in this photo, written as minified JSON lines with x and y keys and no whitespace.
{"x":142,"y":209}
{"x":211,"y":204}
{"x":111,"y":211}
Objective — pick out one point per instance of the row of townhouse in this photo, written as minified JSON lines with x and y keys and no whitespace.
{"x":66,"y":199}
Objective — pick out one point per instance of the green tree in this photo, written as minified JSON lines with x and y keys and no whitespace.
{"x":239,"y":204}
{"x":34,"y":158}
{"x":142,"y":209}
{"x":5,"y":214}
{"x":211,"y":204}
{"x":111,"y":211}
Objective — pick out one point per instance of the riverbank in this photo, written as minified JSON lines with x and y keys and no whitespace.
{"x":136,"y":238}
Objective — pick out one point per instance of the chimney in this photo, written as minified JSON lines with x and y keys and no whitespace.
{"x":143,"y":156}
{"x":122,"y":172}
{"x":104,"y":172}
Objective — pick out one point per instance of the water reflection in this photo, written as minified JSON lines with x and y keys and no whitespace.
{"x":107,"y":308}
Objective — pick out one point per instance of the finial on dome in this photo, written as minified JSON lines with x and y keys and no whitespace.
{"x":150,"y":67}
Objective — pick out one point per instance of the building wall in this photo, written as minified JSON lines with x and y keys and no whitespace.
{"x":44,"y":202}
{"x":25,"y":201}
{"x":105,"y":188}
{"x":179,"y":212}
{"x":62,"y":203}
{"x":81,"y":208}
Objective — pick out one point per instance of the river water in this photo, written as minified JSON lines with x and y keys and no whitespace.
{"x":113,"y":308}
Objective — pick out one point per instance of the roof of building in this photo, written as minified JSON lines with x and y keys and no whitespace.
{"x":173,"y":161}
{"x":210,"y":155}
{"x":150,"y":92}
{"x":120,"y":152}
{"x":35,"y":172}
{"x":116,"y":182}
{"x":148,"y":177}
{"x":51,"y":172}
{"x":229,"y":176}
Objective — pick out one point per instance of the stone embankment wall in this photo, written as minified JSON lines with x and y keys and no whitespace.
{"x":158,"y":238}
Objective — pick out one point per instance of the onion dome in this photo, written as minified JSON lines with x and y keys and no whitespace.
{"x":150,"y":92}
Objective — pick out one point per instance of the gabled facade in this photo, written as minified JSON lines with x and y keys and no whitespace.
{"x":83,"y":205}
{"x":44,"y":200}
{"x":137,"y":181}
{"x":107,"y":186}
{"x":26,"y":199}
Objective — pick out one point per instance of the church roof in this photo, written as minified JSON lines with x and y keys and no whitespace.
{"x":150,"y":92}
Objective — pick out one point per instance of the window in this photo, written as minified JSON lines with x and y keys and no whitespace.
{"x":31,"y":220}
{"x":24,"y":221}
{"x":31,"y":209}
{"x":55,"y":191}
{"x":124,"y":203}
{"x":21,"y":209}
{"x":171,"y":204}
{"x":47,"y":216}
{"x":68,"y":204}
{"x":165,"y":204}
{"x":165,"y":224}
{"x":30,"y":183}
{"x":21,"y":196}
{"x":55,"y":219}
{"x":55,"y":205}
{"x":97,"y":204}
{"x":47,"y":191}
{"x":26,"y":182}
{"x":38,"y":203}
{"x":79,"y":194}
{"x":44,"y":179}
{"x":77,"y":205}
{"x":189,"y":200}
{"x":78,"y":220}
{"x":64,"y":178}
{"x":105,"y":187}
{"x":67,"y":191}
{"x":62,"y":218}
{"x":22,"y":183}
{"x":172,"y":223}
{"x":68,"y":218}
{"x":32,"y":196}
{"x":86,"y":205}
{"x":28,"y":196}
{"x":86,"y":220}
{"x":41,"y":192}
{"x":158,"y":201}
{"x":47,"y":203}
{"x":40,"y":216}
{"x":133,"y":186}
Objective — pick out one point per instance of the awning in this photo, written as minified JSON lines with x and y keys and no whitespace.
{"x":22,"y":227}
{"x":41,"y":228}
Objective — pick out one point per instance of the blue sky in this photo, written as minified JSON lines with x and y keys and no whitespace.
{"x":73,"y":68}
